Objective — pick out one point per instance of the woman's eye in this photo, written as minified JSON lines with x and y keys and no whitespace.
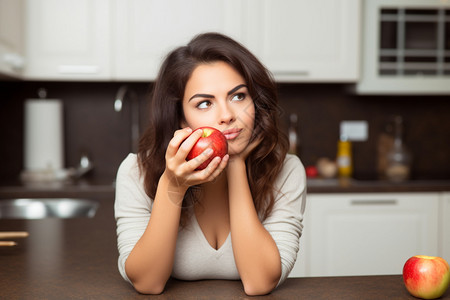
{"x":203,"y":104}
{"x":238,"y":97}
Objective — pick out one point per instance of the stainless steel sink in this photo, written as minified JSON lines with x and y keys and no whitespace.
{"x":42,"y":208}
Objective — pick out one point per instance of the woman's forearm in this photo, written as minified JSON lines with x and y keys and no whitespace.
{"x":256,"y":254}
{"x":149,"y":264}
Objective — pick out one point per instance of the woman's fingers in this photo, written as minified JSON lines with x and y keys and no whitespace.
{"x":178,"y":137}
{"x":184,"y":172}
{"x":214,"y":168}
{"x":222,"y":163}
{"x":187,"y":144}
{"x":195,"y":162}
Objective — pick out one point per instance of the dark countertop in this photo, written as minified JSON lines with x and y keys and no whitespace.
{"x":77,"y":259}
{"x":93,"y":189}
{"x":348,"y":288}
{"x":375,"y":186}
{"x":62,"y":258}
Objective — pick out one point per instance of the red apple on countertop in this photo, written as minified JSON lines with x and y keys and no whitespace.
{"x":426,"y":277}
{"x":311,"y":171}
{"x":211,"y":138}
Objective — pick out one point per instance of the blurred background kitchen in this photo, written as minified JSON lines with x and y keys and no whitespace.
{"x":335,"y":62}
{"x":83,"y":52}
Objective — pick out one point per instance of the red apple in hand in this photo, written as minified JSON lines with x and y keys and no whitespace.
{"x":426,"y":277}
{"x":211,"y":138}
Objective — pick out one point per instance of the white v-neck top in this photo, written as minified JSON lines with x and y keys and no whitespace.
{"x":195,"y":258}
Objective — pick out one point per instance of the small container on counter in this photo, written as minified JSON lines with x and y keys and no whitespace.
{"x":326,"y":167}
{"x":344,"y":158}
{"x":398,"y":157}
{"x":293,"y":136}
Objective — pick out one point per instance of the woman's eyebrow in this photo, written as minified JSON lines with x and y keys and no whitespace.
{"x":211,"y":96}
{"x":236,"y":88}
{"x":201,"y":96}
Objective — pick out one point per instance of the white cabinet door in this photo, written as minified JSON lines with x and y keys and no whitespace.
{"x":127,"y":40}
{"x":303,"y":40}
{"x":68,"y":40}
{"x":445,"y":227}
{"x":146,"y":30}
{"x":301,"y":266}
{"x":370,"y":234}
{"x":11,"y":37}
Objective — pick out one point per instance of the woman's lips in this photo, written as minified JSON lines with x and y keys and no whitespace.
{"x":231,"y":134}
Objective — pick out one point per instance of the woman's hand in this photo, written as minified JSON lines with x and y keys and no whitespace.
{"x":246,"y":152}
{"x":182,"y":173}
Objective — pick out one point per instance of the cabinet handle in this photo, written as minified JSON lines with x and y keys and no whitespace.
{"x":291,"y":73}
{"x":78,"y":69}
{"x":374,"y":202}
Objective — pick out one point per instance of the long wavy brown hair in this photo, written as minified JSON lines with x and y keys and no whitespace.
{"x":263,"y":164}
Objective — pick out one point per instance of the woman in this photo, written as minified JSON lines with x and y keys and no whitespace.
{"x":241,"y":217}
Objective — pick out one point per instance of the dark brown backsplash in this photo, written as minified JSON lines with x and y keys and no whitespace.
{"x":92,"y":125}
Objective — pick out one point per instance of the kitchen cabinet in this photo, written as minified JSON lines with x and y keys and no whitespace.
{"x":68,"y":40}
{"x":300,"y":268}
{"x":145,"y":31}
{"x":445,"y":226}
{"x":406,"y":47}
{"x":11,"y":38}
{"x":368,"y":233}
{"x":301,"y":40}
{"x":117,"y":39}
{"x":127,"y":40}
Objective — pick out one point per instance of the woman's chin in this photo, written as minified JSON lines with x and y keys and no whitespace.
{"x":234,"y":150}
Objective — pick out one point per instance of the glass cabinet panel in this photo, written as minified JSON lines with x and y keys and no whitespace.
{"x":414,"y":42}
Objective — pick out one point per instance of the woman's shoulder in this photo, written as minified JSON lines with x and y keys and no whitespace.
{"x":292,"y":158}
{"x":129,"y":166}
{"x":129,"y":182}
{"x":292,"y":169}
{"x":129,"y":161}
{"x":291,"y":162}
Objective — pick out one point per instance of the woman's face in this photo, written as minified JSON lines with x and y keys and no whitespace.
{"x":217,"y":96}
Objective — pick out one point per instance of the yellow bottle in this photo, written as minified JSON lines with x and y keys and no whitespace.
{"x":344,"y":158}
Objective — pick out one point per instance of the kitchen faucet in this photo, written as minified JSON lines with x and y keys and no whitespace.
{"x":124,"y":91}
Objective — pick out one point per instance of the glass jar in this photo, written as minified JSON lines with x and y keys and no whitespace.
{"x":398,"y":157}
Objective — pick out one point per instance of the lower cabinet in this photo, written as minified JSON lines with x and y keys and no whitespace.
{"x":370,"y":233}
{"x":445,"y":227}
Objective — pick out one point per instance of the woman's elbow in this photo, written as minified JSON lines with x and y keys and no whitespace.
{"x":148,"y":289}
{"x":146,"y":282}
{"x":259,"y":288}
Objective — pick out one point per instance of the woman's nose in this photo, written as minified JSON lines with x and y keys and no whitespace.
{"x":226,"y":114}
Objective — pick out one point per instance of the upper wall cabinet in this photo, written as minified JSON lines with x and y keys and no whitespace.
{"x":146,"y":30}
{"x":298,"y":40}
{"x":116,"y":39}
{"x":68,"y":40}
{"x":11,"y":37}
{"x":303,"y":40}
{"x":406,"y":47}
